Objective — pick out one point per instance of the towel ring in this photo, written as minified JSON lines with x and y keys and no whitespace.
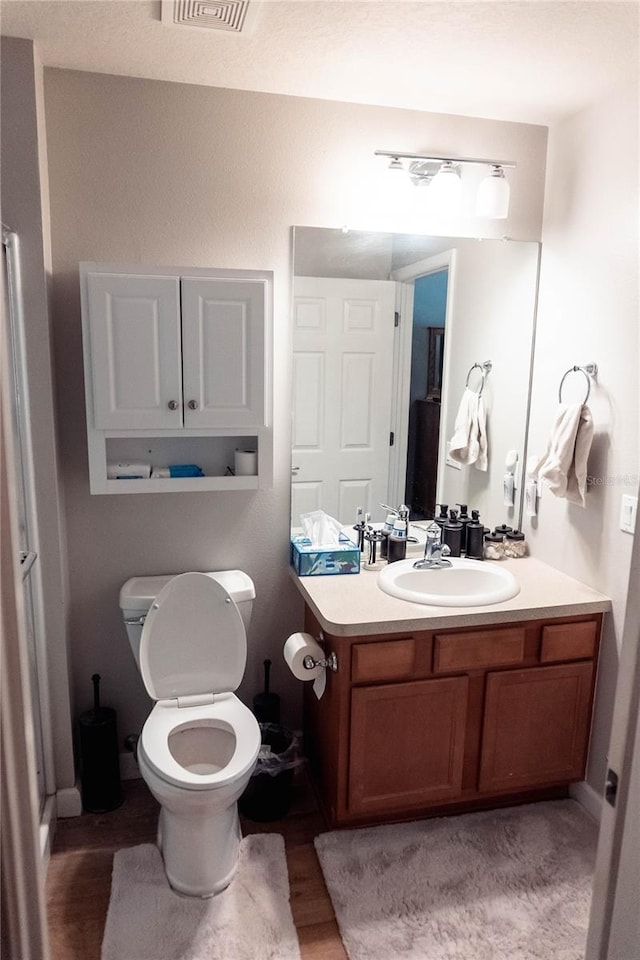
{"x":588,"y":370}
{"x":484,"y":369}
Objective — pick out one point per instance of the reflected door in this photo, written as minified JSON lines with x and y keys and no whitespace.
{"x":342,"y":373}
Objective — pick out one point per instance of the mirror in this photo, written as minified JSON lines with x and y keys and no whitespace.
{"x":389,"y":331}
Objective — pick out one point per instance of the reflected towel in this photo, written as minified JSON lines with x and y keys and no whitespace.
{"x":563,"y":466}
{"x":469,"y":442}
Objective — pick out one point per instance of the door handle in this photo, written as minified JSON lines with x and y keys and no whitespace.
{"x":193,"y":404}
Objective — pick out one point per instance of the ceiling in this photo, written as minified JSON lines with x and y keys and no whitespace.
{"x":525,"y":60}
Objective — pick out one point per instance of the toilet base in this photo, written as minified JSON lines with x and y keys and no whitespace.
{"x":200,"y":856}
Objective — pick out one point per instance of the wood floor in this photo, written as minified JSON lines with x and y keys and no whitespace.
{"x":79,"y":875}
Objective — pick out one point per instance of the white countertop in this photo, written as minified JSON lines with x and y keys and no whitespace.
{"x":353,"y":605}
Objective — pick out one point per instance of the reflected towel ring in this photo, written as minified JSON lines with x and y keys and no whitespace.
{"x":589,"y":370}
{"x":484,"y":368}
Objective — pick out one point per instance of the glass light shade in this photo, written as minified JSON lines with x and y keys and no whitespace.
{"x":445,"y":190}
{"x":493,"y":196}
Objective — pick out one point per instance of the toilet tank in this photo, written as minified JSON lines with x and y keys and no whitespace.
{"x":138,"y":593}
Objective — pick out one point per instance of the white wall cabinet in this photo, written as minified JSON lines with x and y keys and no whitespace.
{"x":177,"y":370}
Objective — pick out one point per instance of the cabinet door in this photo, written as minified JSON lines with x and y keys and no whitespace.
{"x":536,"y":726}
{"x":407,"y":744}
{"x":223,"y":343}
{"x":134,"y":331}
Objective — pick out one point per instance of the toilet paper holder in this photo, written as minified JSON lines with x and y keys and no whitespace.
{"x":310,"y":663}
{"x":331,"y":661}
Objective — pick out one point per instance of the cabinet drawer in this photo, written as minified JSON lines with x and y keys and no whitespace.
{"x":387,"y":660}
{"x":477,"y":649}
{"x":569,"y":641}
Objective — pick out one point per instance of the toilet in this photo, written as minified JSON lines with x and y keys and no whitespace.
{"x":199,"y":745}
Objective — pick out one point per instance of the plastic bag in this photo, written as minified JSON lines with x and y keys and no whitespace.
{"x":280,"y":750}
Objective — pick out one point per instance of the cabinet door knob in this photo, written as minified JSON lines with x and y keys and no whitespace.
{"x":193,"y":404}
{"x":173,"y":404}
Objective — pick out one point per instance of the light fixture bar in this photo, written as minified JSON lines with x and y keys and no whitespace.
{"x":398,"y":155}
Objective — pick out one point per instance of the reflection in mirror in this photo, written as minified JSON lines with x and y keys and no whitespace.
{"x":386,"y":331}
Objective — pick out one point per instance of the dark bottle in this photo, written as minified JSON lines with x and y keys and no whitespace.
{"x":386,"y":531}
{"x":464,"y":519}
{"x":397,"y":542}
{"x":443,"y":516}
{"x":452,"y":534}
{"x":475,"y":537}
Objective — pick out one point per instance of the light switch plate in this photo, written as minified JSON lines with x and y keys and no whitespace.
{"x":628,"y":508}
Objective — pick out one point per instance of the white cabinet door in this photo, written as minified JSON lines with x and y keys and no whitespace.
{"x":134,"y":329}
{"x":342,"y":372}
{"x":223,"y":350}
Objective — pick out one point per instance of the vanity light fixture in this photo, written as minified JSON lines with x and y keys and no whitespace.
{"x":442,"y":176}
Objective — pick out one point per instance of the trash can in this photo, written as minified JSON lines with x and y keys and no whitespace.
{"x":269,"y":792}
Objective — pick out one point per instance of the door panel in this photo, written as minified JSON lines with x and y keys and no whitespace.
{"x":223,"y":343}
{"x":135,"y":351}
{"x":536,"y":726}
{"x":342,"y":373}
{"x":407,"y":744}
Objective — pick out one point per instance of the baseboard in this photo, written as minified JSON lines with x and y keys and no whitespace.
{"x":68,"y":803}
{"x":129,"y":769}
{"x":588,"y":798}
{"x":47,"y":829}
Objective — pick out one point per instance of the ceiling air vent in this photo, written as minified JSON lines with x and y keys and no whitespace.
{"x":232,"y":16}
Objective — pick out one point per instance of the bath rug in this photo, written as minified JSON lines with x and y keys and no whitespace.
{"x":250,"y":919}
{"x":511,"y":884}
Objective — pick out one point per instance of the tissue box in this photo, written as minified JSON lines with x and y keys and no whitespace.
{"x":310,"y":561}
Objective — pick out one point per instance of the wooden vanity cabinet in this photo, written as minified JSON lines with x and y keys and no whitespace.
{"x":450,"y":720}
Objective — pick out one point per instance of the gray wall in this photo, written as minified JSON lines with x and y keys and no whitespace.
{"x":23,"y":196}
{"x":162,"y":173}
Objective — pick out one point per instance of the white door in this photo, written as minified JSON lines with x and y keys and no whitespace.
{"x":614,"y":930}
{"x":342,"y":371}
{"x":134,"y":330}
{"x":223,"y":344}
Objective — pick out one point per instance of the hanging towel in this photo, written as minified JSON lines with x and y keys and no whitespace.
{"x":469,"y":442}
{"x":563,"y":466}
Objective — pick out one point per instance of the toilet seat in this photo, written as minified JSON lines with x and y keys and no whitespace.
{"x":193,"y":641}
{"x":227,"y":712}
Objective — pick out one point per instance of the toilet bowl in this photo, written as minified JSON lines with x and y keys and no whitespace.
{"x":199,"y":745}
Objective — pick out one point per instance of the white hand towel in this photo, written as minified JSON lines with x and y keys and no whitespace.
{"x":469,"y":442}
{"x":563,"y":466}
{"x":481,"y":432}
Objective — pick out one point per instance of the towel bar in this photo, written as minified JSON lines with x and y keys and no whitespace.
{"x":588,"y":369}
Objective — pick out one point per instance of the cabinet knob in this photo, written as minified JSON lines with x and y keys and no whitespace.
{"x":193,"y":404}
{"x":173,"y":404}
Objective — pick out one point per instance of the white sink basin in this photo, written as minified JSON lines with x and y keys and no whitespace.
{"x":468,"y":583}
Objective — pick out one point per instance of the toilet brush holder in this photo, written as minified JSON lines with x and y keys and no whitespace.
{"x":99,"y":758}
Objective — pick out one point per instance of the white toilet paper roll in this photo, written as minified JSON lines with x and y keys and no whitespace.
{"x":246,"y":463}
{"x":296,"y":648}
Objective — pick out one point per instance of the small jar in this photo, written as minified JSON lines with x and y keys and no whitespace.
{"x":515,"y":544}
{"x":503,"y":529}
{"x":494,"y":546}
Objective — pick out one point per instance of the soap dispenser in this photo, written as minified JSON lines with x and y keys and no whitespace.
{"x":443,"y":516}
{"x":475,"y":537}
{"x":464,"y":519}
{"x":452,"y":534}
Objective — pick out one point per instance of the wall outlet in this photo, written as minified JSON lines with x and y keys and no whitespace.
{"x":628,"y":508}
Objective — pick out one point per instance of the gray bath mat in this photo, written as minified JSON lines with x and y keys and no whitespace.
{"x":251,"y":918}
{"x":511,"y":884}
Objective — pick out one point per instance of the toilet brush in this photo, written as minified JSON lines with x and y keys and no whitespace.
{"x":266,"y":706}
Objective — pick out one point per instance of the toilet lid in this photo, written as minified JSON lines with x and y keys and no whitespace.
{"x":193,"y":640}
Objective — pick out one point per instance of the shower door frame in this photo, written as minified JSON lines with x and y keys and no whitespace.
{"x":31,"y":569}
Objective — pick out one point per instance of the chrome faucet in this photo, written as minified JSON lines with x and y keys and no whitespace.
{"x":435,"y":553}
